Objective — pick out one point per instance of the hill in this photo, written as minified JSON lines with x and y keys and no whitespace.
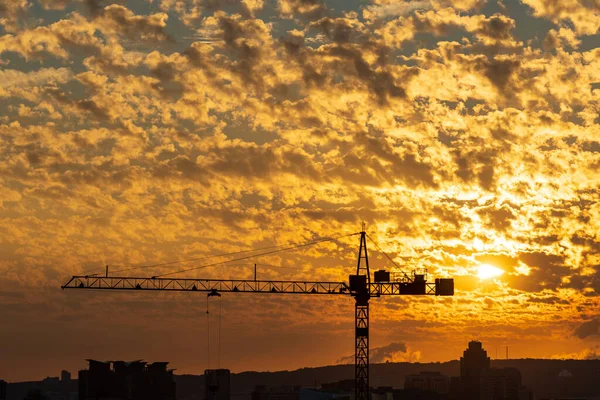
{"x":579,"y":377}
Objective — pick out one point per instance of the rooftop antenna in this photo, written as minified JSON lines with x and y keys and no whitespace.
{"x":507,"y":352}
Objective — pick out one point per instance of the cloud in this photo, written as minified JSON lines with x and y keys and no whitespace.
{"x":310,"y":9}
{"x":12,"y":80}
{"x":119,"y":19}
{"x":586,"y":354}
{"x":54,"y":4}
{"x":394,"y":9}
{"x":12,"y":12}
{"x":393,"y":352}
{"x":587,"y":329}
{"x":581,"y":13}
{"x":456,"y":138}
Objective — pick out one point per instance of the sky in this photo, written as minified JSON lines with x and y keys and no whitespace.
{"x":465,"y":134}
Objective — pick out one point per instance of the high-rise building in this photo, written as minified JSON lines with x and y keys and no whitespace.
{"x":472,"y":363}
{"x":135,"y":380}
{"x":500,"y":384}
{"x":217,"y":384}
{"x":431,"y":381}
{"x":474,"y":360}
{"x":2,"y":390}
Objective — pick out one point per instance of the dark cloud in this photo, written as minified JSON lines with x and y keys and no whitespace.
{"x":381,"y":82}
{"x":497,"y":27}
{"x":587,"y":329}
{"x":200,"y":55}
{"x":380,"y":354}
{"x":552,"y":300}
{"x":93,"y":107}
{"x":498,"y":218}
{"x":386,"y":353}
{"x":265,"y":162}
{"x":547,"y":271}
{"x":500,"y":71}
{"x":477,"y":165}
{"x":247,"y":39}
{"x":295,"y":48}
{"x":372,"y":161}
{"x":95,"y":7}
{"x":181,"y":167}
{"x":339,"y":30}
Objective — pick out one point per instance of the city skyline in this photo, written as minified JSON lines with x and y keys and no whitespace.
{"x":474,"y":377}
{"x":464,"y":134}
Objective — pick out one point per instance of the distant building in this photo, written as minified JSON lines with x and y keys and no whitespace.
{"x":65,"y":376}
{"x":384,"y":393}
{"x":276,"y":393}
{"x":35,"y":394}
{"x":472,"y":363}
{"x":135,"y":380}
{"x":432,"y":381}
{"x":346,"y":384}
{"x":217,"y":384}
{"x":340,"y":390}
{"x":478,"y":381}
{"x":2,"y":390}
{"x":500,"y":384}
{"x":325,"y":394}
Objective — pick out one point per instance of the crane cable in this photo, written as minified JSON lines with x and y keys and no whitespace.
{"x":258,"y":255}
{"x":218,"y":332}
{"x":207,"y":334}
{"x":188,"y":260}
{"x":388,"y":257}
{"x":220,"y":255}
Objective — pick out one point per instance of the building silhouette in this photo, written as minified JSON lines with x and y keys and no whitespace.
{"x":340,"y":390}
{"x":2,"y":390}
{"x":261,"y":392}
{"x":500,"y":384}
{"x":478,"y":381}
{"x":429,"y":381}
{"x":217,"y":384}
{"x":136,"y":380}
{"x":327,"y":394}
{"x":65,"y":376}
{"x":345,"y":384}
{"x":472,"y":363}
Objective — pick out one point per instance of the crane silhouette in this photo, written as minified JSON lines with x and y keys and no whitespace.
{"x":359,"y":286}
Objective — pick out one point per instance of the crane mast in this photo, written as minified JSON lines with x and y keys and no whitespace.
{"x":361,"y":282}
{"x":359,"y":286}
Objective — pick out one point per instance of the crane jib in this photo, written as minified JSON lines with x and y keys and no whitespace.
{"x":441,"y":287}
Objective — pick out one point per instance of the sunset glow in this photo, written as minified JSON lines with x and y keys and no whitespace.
{"x":152,"y":136}
{"x":486,"y":271}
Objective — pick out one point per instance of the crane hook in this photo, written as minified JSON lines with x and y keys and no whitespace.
{"x":212,"y":293}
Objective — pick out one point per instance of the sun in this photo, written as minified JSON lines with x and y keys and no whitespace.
{"x":487,"y":271}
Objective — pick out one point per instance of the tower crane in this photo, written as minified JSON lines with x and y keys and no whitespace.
{"x":359,"y":286}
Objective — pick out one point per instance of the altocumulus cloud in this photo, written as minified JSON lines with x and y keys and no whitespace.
{"x":146,"y":132}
